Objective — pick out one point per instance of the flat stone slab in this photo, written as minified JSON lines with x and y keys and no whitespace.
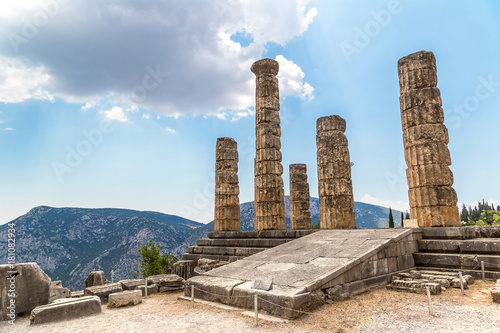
{"x":125,"y":298}
{"x":66,"y":309}
{"x":296,"y":268}
{"x":103,"y":291}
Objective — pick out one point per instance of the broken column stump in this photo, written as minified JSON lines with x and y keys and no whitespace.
{"x":300,"y":216}
{"x":336,"y":202}
{"x":269,"y":193}
{"x":227,"y":203}
{"x":433,"y":201}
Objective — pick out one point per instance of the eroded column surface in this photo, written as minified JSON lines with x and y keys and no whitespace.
{"x":336,"y":202}
{"x":227,"y":203}
{"x":433,"y":201}
{"x":269,"y":193}
{"x":300,"y":216}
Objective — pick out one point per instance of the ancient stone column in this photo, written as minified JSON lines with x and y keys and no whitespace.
{"x":227,"y":203}
{"x":433,"y":202}
{"x":336,"y":202}
{"x":269,"y":193}
{"x":300,"y":216}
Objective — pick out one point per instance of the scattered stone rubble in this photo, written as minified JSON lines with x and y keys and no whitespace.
{"x":205,"y":265}
{"x":417,"y":281}
{"x":167,"y":282}
{"x":495,"y":293}
{"x":96,"y":278}
{"x":125,"y":298}
{"x":433,"y":202}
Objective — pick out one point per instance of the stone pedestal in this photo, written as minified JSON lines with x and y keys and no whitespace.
{"x":269,"y":193}
{"x":433,"y":202}
{"x":300,"y":216}
{"x":336,"y":202}
{"x":227,"y":203}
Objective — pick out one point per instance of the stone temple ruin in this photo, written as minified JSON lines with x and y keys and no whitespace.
{"x":298,"y":269}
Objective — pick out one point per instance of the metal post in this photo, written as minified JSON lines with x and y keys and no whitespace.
{"x":375,"y":321}
{"x":428,"y":290}
{"x":482,"y":269}
{"x":145,"y":287}
{"x":192,"y":296}
{"x":256,"y":309}
{"x":461,"y":282}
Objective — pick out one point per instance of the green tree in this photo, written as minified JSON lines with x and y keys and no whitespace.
{"x":487,"y":217}
{"x":498,"y":209}
{"x":402,"y":218}
{"x":464,"y":215}
{"x":407,"y":216}
{"x":152,"y":262}
{"x":391,"y":219}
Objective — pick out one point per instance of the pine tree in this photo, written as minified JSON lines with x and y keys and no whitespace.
{"x":464,"y":216}
{"x":498,"y":208}
{"x":407,"y":217}
{"x":391,"y":219}
{"x":402,"y":218}
{"x":152,"y":262}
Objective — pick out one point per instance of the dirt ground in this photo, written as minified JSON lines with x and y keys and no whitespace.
{"x":396,"y":312}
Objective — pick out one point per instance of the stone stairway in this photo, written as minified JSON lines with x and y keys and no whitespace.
{"x":452,"y":249}
{"x":234,"y":245}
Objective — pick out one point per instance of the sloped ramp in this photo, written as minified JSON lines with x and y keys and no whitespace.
{"x":337,"y":263}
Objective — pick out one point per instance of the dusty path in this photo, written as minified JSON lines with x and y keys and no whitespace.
{"x":474,"y":312}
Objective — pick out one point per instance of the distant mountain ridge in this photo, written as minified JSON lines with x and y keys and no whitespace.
{"x":69,"y":243}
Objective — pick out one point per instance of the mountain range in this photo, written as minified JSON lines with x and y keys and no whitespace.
{"x":69,"y":243}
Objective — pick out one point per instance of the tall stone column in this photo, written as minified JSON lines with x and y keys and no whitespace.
{"x":269,"y":193}
{"x":227,"y":203}
{"x":433,"y":202}
{"x":300,"y":216}
{"x":336,"y":202}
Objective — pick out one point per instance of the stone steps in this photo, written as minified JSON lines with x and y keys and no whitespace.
{"x":474,"y":246}
{"x":225,"y":250}
{"x":234,"y":245}
{"x":460,"y":249}
{"x":245,"y":242}
{"x":457,"y":260}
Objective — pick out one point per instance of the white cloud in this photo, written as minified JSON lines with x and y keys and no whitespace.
{"x":221,"y":115}
{"x":291,"y":78}
{"x":20,"y":81}
{"x":170,"y":130}
{"x":146,"y":116}
{"x":116,"y":113}
{"x":179,"y":57}
{"x":242,"y":114}
{"x":8,"y":129}
{"x":398,"y":205}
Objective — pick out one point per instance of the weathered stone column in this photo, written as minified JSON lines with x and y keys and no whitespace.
{"x":269,"y":193}
{"x":433,"y":202}
{"x":336,"y":202}
{"x":300,"y":216}
{"x":227,"y":203}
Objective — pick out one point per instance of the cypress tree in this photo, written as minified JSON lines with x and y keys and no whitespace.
{"x":464,"y":216}
{"x":402,"y":218}
{"x":498,"y":208}
{"x":407,"y":217}
{"x":391,"y":219}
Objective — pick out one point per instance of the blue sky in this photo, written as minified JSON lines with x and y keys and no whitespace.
{"x":119,"y":103}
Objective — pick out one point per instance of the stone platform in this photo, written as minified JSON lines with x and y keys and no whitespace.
{"x":463,"y":248}
{"x":234,"y":245}
{"x":337,"y":263}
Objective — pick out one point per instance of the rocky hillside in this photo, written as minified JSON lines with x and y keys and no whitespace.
{"x":69,"y":243}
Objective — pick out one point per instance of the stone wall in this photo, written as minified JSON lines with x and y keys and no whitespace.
{"x":269,"y":193}
{"x":227,"y":203}
{"x":336,"y":202}
{"x":433,"y":202}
